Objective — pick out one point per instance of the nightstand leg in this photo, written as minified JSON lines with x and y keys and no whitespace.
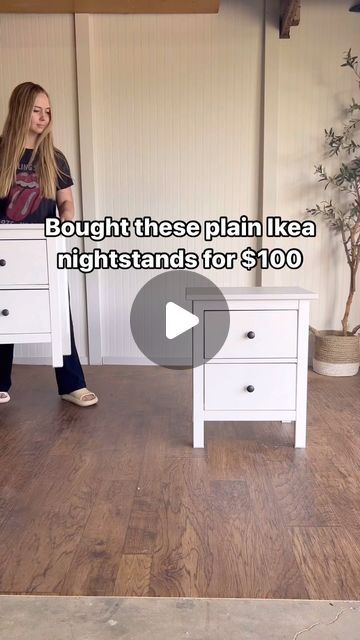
{"x":198,"y":403}
{"x":301,"y":381}
{"x":300,"y":434}
{"x":56,"y":350}
{"x":198,"y":433}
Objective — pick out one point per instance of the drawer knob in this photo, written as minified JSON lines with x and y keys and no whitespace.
{"x":250,"y":388}
{"x":251,"y":335}
{"x":5,"y":312}
{"x":2,"y":262}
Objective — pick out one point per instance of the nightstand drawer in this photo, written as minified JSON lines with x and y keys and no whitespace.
{"x":250,"y":386}
{"x":25,"y":262}
{"x":253,"y":334}
{"x":24,"y":311}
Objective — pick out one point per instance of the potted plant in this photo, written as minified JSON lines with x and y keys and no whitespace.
{"x":337,"y":353}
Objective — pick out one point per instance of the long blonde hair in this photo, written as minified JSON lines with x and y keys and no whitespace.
{"x":13,"y":143}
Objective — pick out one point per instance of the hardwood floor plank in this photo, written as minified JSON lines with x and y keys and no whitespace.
{"x":12,"y":485}
{"x":142,"y":528}
{"x":300,"y":499}
{"x":40,"y":559}
{"x":353,"y":534}
{"x":96,"y":560}
{"x":95,"y":563}
{"x":263,"y":525}
{"x":284,"y":576}
{"x":236,"y":544}
{"x":133,"y":577}
{"x":182,"y":556}
{"x":328,"y":561}
{"x":338,"y":478}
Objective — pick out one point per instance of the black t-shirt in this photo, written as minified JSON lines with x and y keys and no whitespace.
{"x":24,"y":202}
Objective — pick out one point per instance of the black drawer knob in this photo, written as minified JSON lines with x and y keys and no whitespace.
{"x":2,"y":262}
{"x":250,"y":388}
{"x":5,"y":312}
{"x":251,"y":335}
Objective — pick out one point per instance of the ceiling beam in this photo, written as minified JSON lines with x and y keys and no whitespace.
{"x":109,"y":6}
{"x":289,"y":16}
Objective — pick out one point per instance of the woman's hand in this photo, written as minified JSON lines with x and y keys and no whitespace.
{"x":66,"y":215}
{"x":65,"y":204}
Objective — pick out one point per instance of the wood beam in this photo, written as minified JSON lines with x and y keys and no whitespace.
{"x":289,"y":16}
{"x":109,"y":6}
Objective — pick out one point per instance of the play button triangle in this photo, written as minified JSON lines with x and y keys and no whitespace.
{"x":178,"y":320}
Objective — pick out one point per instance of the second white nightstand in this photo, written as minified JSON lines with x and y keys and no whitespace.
{"x":260,"y":373}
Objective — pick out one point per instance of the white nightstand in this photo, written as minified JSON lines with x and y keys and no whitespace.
{"x":34,"y":304}
{"x":260,"y":373}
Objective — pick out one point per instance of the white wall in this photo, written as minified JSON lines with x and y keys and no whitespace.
{"x":177,"y":118}
{"x":312,"y":93}
{"x":177,"y":135}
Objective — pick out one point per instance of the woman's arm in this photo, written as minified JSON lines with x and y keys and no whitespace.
{"x":65,"y":204}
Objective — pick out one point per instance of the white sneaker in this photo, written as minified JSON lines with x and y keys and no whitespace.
{"x":4,"y":396}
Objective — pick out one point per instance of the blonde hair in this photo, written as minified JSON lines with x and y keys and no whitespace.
{"x":13,"y":143}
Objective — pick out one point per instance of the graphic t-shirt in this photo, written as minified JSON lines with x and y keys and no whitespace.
{"x":24,"y":202}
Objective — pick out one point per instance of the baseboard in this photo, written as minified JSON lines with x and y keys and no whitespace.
{"x":46,"y":360}
{"x":141,"y":360}
{"x":43,"y":360}
{"x":106,"y":360}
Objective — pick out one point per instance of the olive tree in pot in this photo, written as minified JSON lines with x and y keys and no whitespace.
{"x":337,"y":353}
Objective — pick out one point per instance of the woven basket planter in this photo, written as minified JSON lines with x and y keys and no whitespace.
{"x":336,"y":354}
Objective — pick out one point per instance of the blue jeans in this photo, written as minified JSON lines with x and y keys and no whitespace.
{"x":69,"y":377}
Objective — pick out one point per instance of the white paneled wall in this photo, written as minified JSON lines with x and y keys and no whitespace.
{"x":313,"y":91}
{"x":177,"y":134}
{"x":178,"y":105}
{"x":40,"y":48}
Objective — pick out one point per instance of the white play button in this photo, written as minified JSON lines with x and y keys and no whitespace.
{"x":178,"y":320}
{"x":161,"y":311}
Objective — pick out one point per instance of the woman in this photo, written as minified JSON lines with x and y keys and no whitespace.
{"x":34,"y":180}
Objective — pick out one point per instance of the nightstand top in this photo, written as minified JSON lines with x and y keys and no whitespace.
{"x":251,"y":293}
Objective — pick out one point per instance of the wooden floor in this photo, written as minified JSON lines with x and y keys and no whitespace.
{"x":113,"y":500}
